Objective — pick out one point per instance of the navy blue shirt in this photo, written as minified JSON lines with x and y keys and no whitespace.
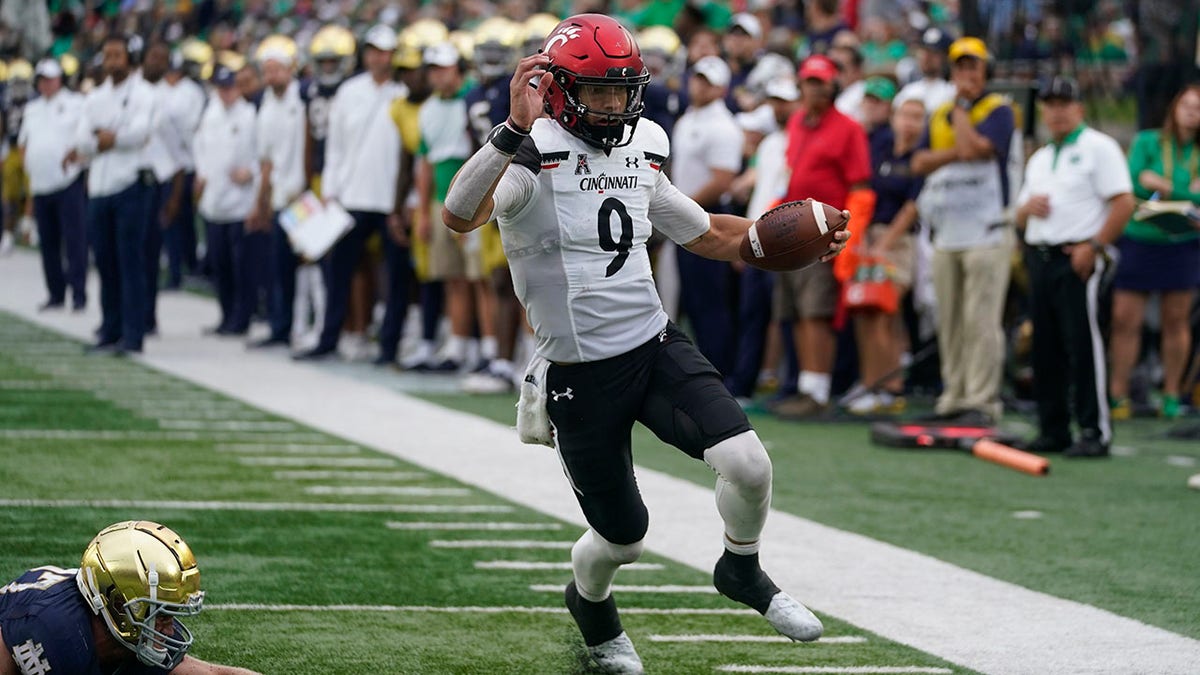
{"x":664,"y":105}
{"x":997,"y":127}
{"x":892,"y":177}
{"x":317,"y":100}
{"x":47,"y":626}
{"x":488,"y":105}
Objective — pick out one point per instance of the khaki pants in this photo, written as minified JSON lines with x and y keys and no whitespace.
{"x":971,"y":286}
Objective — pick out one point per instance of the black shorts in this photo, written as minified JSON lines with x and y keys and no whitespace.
{"x":668,"y":386}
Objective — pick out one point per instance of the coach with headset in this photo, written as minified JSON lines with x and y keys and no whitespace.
{"x":964,"y":155}
{"x":112,"y":132}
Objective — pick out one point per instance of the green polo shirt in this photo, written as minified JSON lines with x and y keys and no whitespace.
{"x":1147,"y":152}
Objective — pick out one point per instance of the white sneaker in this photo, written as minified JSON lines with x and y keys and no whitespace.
{"x":486,"y":383}
{"x":793,"y":619}
{"x":863,"y":405}
{"x":617,"y":656}
{"x":6,"y":243}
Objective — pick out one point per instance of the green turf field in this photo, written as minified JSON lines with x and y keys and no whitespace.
{"x":374,"y":587}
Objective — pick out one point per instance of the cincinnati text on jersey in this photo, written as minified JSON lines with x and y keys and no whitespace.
{"x":605,"y":182}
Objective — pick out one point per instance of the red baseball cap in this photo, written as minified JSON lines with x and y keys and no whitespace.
{"x":818,"y":67}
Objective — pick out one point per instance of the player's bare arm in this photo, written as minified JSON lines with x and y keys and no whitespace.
{"x":725,"y":234}
{"x":469,"y":202}
{"x":194,"y":666}
{"x":7,"y":665}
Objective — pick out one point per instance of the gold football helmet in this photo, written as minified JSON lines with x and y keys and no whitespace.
{"x":20,"y":70}
{"x":197,"y":58}
{"x":536,"y":29}
{"x":332,"y":50}
{"x":424,"y":33}
{"x":496,"y":42}
{"x":661,"y":50}
{"x":138,"y":576}
{"x":70,"y":65}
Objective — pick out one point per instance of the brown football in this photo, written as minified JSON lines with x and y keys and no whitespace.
{"x":792,"y":236}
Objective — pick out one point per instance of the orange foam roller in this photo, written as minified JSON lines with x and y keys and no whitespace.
{"x":1011,"y":457}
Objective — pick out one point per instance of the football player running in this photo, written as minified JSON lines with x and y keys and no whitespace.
{"x":115,"y":613}
{"x":576,"y":197}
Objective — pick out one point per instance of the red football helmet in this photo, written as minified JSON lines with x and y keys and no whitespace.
{"x":595,"y":50}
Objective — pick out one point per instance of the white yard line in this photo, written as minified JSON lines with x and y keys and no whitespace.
{"x":345,"y":462}
{"x":390,"y":490}
{"x":251,"y":506}
{"x":962,"y":616}
{"x":481,"y":526}
{"x":350,"y":475}
{"x":837,"y":670}
{"x":388,"y":609}
{"x":528,"y":565}
{"x":828,"y":640}
{"x":633,"y":588}
{"x":287,"y":448}
{"x":134,"y":435}
{"x":500,"y":543}
{"x":222,"y":425}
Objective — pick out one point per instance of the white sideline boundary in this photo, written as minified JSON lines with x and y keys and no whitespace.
{"x":838,"y":670}
{"x":961,"y":616}
{"x":754,"y":639}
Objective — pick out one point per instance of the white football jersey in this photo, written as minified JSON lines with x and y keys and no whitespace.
{"x":574,"y":222}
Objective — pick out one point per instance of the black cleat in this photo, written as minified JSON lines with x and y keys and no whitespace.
{"x":606,"y":641}
{"x":739,"y":578}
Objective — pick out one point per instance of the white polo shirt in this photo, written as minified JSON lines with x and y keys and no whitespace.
{"x":704,"y":139}
{"x":158,"y":155}
{"x":46,"y":133}
{"x":362,"y":150}
{"x":1080,"y":176}
{"x":126,"y":110}
{"x":281,"y":142}
{"x":185,"y":101}
{"x":224,"y":143}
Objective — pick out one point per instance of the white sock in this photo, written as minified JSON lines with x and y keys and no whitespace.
{"x":471,"y":354}
{"x":455,"y":349}
{"x":595,"y":561}
{"x":488,"y":348}
{"x":815,"y":385}
{"x":743,"y":489}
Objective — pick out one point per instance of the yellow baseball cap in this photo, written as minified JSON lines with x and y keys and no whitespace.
{"x":968,"y":46}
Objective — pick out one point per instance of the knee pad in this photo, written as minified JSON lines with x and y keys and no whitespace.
{"x":623,"y":554}
{"x":743,"y":462}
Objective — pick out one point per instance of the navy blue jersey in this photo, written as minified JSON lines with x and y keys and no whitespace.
{"x":47,"y":627}
{"x":488,"y":104}
{"x":14,"y":112}
{"x":892,"y":178}
{"x":664,"y":105}
{"x":317,"y":100}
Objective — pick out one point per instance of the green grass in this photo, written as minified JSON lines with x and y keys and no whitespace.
{"x":322,"y":558}
{"x":1120,"y":534}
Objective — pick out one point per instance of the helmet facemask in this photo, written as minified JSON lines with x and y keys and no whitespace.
{"x":139,"y":577}
{"x":600,"y":128}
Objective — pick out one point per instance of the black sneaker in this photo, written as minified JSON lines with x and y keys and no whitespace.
{"x":1046,"y":445}
{"x":270,"y":341}
{"x":316,"y":354}
{"x":973,"y":418}
{"x":739,"y":578}
{"x":1087,"y":447}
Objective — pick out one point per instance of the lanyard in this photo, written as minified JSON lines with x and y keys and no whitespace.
{"x":1168,"y":155}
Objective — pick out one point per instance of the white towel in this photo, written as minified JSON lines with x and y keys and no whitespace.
{"x":533,"y":421}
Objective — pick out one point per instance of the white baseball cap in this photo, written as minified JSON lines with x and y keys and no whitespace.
{"x":381,"y":36}
{"x":48,"y":68}
{"x":713,"y":69}
{"x":782,"y":88}
{"x":748,"y":23}
{"x":275,"y":54}
{"x":441,"y":54}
